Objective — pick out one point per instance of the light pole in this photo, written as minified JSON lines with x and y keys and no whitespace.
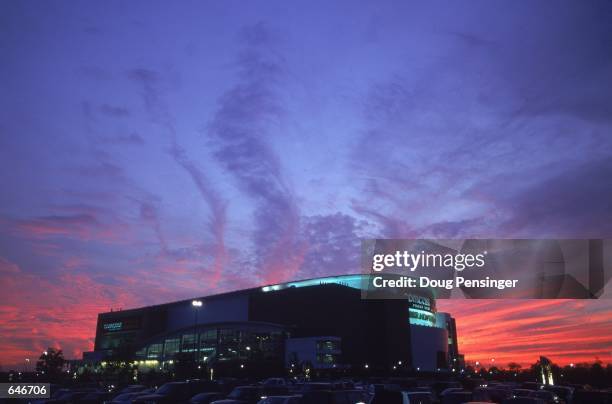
{"x":196,"y":305}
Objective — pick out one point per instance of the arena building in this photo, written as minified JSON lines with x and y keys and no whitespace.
{"x":324,"y":322}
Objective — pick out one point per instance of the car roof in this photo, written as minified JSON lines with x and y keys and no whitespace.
{"x":284,"y":396}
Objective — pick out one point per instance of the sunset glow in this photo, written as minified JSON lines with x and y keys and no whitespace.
{"x":154,"y":151}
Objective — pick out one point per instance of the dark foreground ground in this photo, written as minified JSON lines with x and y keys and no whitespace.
{"x":279,"y":390}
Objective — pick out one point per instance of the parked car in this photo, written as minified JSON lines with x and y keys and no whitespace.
{"x":438,"y":387}
{"x":95,"y":397}
{"x":402,"y":397}
{"x":243,"y":395}
{"x":126,"y":398}
{"x":547,"y":396}
{"x":70,"y":397}
{"x":495,"y":394}
{"x":55,"y":394}
{"x":176,"y":392}
{"x":334,"y":397}
{"x":565,"y":393}
{"x":456,"y":397}
{"x":281,"y":400}
{"x":173,"y":392}
{"x":275,"y":382}
{"x":521,"y":393}
{"x":450,"y":390}
{"x":344,"y":385}
{"x":532,"y":386}
{"x":132,"y":388}
{"x":591,"y":397}
{"x":522,"y":400}
{"x":320,"y":386}
{"x":206,"y":398}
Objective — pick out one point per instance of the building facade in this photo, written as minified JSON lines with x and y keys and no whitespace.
{"x":322,"y":321}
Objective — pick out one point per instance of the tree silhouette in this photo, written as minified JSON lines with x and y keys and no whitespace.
{"x":50,"y":363}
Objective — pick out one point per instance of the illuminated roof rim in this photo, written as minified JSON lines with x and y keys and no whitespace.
{"x":222,"y":294}
{"x":230,"y":293}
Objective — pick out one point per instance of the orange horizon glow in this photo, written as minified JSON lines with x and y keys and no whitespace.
{"x":565,"y":331}
{"x":37,"y":313}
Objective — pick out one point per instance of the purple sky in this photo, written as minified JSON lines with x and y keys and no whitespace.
{"x":152,"y":151}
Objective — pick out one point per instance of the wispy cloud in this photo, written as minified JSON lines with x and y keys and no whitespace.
{"x":241,"y":131}
{"x":160,"y":113}
{"x":398,"y":120}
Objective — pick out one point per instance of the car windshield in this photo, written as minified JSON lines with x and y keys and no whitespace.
{"x":558,"y":390}
{"x":203,"y":395}
{"x":274,"y":400}
{"x":273,"y":382}
{"x":123,"y":397}
{"x":168,"y":388}
{"x":317,"y":387}
{"x":242,"y":392}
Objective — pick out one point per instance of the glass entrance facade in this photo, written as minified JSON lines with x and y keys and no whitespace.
{"x":244,"y":341}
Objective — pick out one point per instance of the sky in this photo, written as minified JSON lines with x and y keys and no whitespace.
{"x":152,"y":151}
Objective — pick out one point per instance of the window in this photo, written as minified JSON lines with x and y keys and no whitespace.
{"x":326,"y":359}
{"x":208,"y":337}
{"x":171,"y":346}
{"x":154,"y":351}
{"x":142,"y":353}
{"x":328,"y":345}
{"x":228,"y":336}
{"x":189,"y":343}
